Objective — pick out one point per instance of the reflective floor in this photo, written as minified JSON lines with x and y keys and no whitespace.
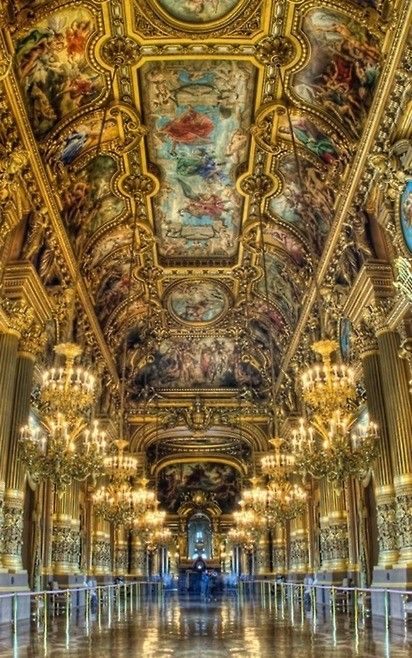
{"x":183,"y":627}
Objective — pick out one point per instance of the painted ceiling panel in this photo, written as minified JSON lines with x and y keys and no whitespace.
{"x":341,"y":75}
{"x":189,"y":362}
{"x":55,"y":75}
{"x":221,"y":481}
{"x":198,"y":114}
{"x":198,"y":11}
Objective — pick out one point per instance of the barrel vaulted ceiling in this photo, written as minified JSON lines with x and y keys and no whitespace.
{"x":164,"y":128}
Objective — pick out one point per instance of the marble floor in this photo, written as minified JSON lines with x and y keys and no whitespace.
{"x":188,"y":627}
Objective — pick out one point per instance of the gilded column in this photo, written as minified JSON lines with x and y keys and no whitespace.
{"x":14,"y":471}
{"x":121,"y":553}
{"x":8,"y":359}
{"x":262,"y":560}
{"x":299,"y":553}
{"x":383,"y":468}
{"x":62,"y":537}
{"x":334,"y":545}
{"x":279,"y":550}
{"x":155,"y":562}
{"x":399,"y":416}
{"x":138,"y":562}
{"x":101,"y":559}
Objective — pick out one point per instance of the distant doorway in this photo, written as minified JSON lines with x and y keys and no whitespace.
{"x":199,"y":537}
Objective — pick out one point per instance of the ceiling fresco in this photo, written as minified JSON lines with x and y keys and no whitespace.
{"x":54,"y":73}
{"x":197,"y":11}
{"x":166,"y":130}
{"x":341,"y":75}
{"x":197,"y":302}
{"x":198,"y":114}
{"x":189,"y":362}
{"x":221,"y":481}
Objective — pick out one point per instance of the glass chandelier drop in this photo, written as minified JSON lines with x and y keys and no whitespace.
{"x":324,"y":444}
{"x":64,"y":448}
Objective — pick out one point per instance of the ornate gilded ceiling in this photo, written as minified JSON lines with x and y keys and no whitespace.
{"x":163,"y":128}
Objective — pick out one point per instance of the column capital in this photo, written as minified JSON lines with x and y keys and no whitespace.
{"x":373,"y":285}
{"x":18,"y":314}
{"x":365,"y":339}
{"x":23,"y":285}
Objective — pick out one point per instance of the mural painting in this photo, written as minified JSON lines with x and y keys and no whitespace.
{"x":114,"y":289}
{"x":278,"y":236}
{"x":53,"y":71}
{"x":199,"y":114}
{"x":192,"y":362}
{"x":221,"y":481}
{"x":86,"y":136}
{"x":110,"y":242}
{"x":260,"y":308}
{"x":90,"y":201}
{"x":197,"y":11}
{"x":282,"y":289}
{"x":406,"y":214}
{"x":311,"y":209}
{"x":197,"y":302}
{"x":345,"y":331}
{"x":342,"y":73}
{"x":312,"y":138}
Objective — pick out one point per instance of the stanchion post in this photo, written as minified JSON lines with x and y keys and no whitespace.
{"x":386,"y":605}
{"x":333,"y":601}
{"x":15,"y":612}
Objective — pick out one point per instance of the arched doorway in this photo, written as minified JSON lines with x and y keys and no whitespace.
{"x":199,"y":536}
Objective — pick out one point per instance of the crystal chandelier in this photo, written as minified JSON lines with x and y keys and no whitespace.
{"x":118,"y":502}
{"x":335,"y":451}
{"x":324,"y":445}
{"x":254,"y":499}
{"x":63,"y":449}
{"x":285,"y":500}
{"x":69,"y":389}
{"x":55,"y":455}
{"x":159,"y":537}
{"x":326,"y":386}
{"x":242,"y":537}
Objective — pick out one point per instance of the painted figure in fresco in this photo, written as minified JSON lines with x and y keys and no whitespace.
{"x":198,"y":10}
{"x":198,"y":136}
{"x":219,"y":480}
{"x":193,"y":363}
{"x":407,"y":207}
{"x":342,"y":75}
{"x":189,"y":128}
{"x":52,"y":67}
{"x":197,"y":302}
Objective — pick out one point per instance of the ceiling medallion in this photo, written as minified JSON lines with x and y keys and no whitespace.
{"x":197,"y":302}
{"x":121,"y":51}
{"x":197,"y":11}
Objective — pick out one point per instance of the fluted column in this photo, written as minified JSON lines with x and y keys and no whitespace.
{"x":138,"y":562}
{"x":383,"y":468}
{"x":262,"y":560}
{"x":399,"y":416}
{"x":299,"y":553}
{"x":8,"y":360}
{"x":14,"y":472}
{"x":63,"y":537}
{"x":334,"y":544}
{"x":279,"y":550}
{"x":121,"y":553}
{"x":155,"y":563}
{"x":101,"y":560}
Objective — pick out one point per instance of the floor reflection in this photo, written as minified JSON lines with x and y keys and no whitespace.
{"x":186,"y":627}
